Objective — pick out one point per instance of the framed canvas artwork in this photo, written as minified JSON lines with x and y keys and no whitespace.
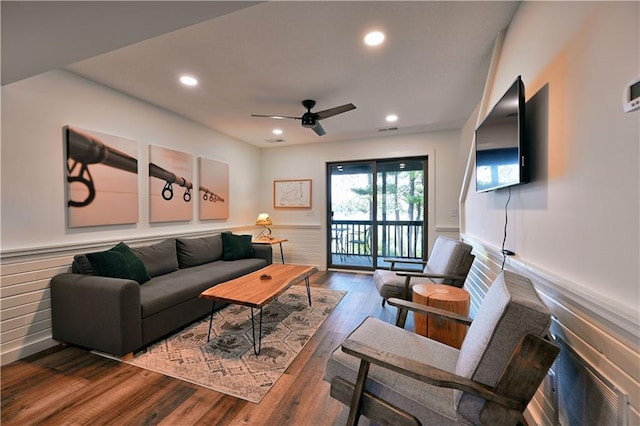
{"x":292,"y":193}
{"x":170,"y":185}
{"x":102,"y":172}
{"x":213,"y":189}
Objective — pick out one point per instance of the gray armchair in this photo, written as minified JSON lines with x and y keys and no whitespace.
{"x":449,"y":263}
{"x":393,"y":376}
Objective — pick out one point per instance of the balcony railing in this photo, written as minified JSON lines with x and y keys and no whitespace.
{"x":403,"y":238}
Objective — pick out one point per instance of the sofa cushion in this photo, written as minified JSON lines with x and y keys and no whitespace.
{"x":235,"y":247}
{"x":119,"y":262}
{"x":197,"y":251}
{"x":160,"y":258}
{"x":390,"y":284}
{"x":174,"y":288}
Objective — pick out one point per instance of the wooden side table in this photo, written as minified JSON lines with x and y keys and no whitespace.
{"x":443,"y":297}
{"x":272,"y":242}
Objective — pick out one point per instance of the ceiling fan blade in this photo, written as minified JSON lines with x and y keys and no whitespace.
{"x":334,"y":111}
{"x":277,"y":117}
{"x":318,"y":129}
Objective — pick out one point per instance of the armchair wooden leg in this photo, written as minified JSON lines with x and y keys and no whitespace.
{"x":356,"y":399}
{"x":401,"y":318}
{"x":405,"y":290}
{"x":376,"y":409}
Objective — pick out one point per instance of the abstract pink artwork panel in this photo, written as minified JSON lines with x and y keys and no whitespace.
{"x":214,"y":189}
{"x":102,"y":178}
{"x":170,"y":185}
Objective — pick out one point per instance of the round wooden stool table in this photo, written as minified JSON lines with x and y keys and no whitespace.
{"x":445,"y":297}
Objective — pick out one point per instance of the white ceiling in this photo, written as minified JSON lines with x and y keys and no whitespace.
{"x":265,"y":58}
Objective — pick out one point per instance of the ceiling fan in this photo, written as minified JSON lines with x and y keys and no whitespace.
{"x":310,"y":119}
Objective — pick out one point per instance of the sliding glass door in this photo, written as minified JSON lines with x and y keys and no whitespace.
{"x":400,"y":218}
{"x":373,"y":218}
{"x":351,"y":206}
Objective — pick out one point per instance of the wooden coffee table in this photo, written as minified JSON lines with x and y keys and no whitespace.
{"x":255,"y":291}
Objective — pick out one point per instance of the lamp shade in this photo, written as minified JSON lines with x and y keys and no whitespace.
{"x":263,"y":219}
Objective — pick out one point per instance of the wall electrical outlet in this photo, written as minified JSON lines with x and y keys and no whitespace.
{"x":549,"y":388}
{"x":311,"y":213}
{"x":453,"y":213}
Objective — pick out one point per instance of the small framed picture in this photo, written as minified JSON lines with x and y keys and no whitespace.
{"x":292,"y":194}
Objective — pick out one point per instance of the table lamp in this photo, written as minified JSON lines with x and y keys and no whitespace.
{"x":264,"y":220}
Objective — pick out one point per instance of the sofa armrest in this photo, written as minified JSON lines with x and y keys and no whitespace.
{"x":96,"y":312}
{"x":263,"y":251}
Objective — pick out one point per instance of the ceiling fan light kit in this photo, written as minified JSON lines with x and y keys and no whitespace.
{"x":311,"y":120}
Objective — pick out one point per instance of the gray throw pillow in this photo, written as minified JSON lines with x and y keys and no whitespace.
{"x":160,"y":258}
{"x":198,"y":251}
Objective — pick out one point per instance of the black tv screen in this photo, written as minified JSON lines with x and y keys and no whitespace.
{"x":500,"y":144}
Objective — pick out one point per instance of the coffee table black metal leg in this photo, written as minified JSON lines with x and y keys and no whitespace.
{"x":213,"y":308}
{"x":253,"y":333}
{"x":306,"y":281}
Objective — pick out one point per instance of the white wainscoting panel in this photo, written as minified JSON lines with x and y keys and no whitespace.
{"x":453,"y":233}
{"x":304,"y":246}
{"x":605,"y":338}
{"x":25,"y":304}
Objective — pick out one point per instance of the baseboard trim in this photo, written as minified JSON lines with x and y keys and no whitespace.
{"x":29,"y":349}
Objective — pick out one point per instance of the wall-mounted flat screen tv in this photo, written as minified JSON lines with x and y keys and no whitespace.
{"x":501,"y":148}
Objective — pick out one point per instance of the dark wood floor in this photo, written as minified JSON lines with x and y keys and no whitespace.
{"x":71,"y":386}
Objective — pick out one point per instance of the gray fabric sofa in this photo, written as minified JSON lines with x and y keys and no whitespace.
{"x":119,"y":316}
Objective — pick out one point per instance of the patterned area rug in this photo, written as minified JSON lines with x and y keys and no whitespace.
{"x":227,"y":363}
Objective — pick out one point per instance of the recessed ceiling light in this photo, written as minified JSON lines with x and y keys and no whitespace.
{"x":374,"y":38}
{"x":391,"y":118}
{"x":277,"y":131}
{"x":188,"y":80}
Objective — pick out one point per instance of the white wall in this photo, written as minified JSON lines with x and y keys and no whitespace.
{"x":34,"y":112}
{"x":579,"y":218}
{"x":575,"y":227}
{"x":445,"y":169}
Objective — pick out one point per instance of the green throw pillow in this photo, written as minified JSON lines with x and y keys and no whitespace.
{"x":236,"y":247}
{"x":119,"y":262}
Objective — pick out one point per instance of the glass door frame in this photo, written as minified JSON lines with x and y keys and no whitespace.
{"x":374,"y":220}
{"x":329,"y":227}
